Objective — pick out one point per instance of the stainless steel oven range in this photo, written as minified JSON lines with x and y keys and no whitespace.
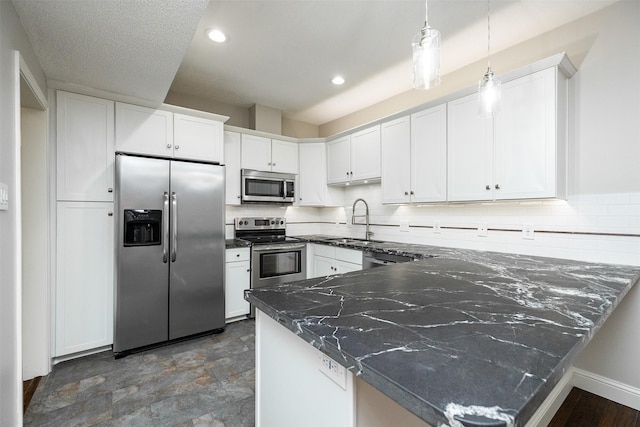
{"x":275,"y":258}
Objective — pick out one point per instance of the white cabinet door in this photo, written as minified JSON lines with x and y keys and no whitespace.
{"x":85,"y":152}
{"x":232,"y":167}
{"x":256,"y":152}
{"x":429,"y":155}
{"x":396,"y":159}
{"x":525,"y":138}
{"x":339,"y":160}
{"x":142,"y":130}
{"x":365,"y":154}
{"x":312,"y":179}
{"x":237,"y":279}
{"x":312,"y":182}
{"x":470,"y":151}
{"x":323,"y":266}
{"x":84,"y":277}
{"x":284,"y":156}
{"x":196,"y":138}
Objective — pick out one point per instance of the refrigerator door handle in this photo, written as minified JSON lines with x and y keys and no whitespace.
{"x":174,"y":232}
{"x":165,"y":226}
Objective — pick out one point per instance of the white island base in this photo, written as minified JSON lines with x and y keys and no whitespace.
{"x":293,"y":391}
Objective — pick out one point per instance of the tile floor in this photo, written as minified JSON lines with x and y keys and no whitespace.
{"x":207,"y":381}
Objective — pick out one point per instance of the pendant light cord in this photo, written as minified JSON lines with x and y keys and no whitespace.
{"x":489,"y":34}
{"x":426,"y":14}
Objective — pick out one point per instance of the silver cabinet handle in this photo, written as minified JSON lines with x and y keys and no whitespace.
{"x":411,"y":193}
{"x":174,"y":232}
{"x":109,"y":190}
{"x":497,"y":186}
{"x":406,"y":193}
{"x":168,"y":145}
{"x":176,"y":147}
{"x":488,"y":187}
{"x":165,"y":225}
{"x":109,"y":213}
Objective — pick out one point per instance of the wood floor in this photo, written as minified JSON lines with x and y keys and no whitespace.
{"x":580,"y":409}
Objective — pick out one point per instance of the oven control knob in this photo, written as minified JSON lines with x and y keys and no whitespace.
{"x":281,"y":222}
{"x":246,"y":223}
{"x":273,"y":222}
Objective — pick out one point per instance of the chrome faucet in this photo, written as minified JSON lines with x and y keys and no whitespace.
{"x":367,"y":233}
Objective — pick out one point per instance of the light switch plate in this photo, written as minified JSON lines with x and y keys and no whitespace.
{"x":4,"y":197}
{"x":527,"y":231}
{"x":436,"y":228}
{"x":404,"y":225}
{"x":483,"y":230}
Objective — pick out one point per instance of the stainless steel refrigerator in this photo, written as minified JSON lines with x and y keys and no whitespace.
{"x":170,"y":247}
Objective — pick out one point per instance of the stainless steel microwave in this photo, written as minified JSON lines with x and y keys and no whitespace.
{"x":267,"y":187}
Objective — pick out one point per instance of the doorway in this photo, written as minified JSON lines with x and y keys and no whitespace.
{"x":34,"y":195}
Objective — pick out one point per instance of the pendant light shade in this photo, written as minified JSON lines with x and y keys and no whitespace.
{"x":426,"y":56}
{"x":489,"y":90}
{"x":489,"y":87}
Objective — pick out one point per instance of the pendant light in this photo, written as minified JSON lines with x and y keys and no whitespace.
{"x":426,"y":55}
{"x":489,"y":86}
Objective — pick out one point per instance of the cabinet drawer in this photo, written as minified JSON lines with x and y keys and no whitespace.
{"x":349,"y":255}
{"x":238,"y":254}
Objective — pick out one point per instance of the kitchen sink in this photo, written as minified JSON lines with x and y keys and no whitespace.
{"x":353,"y":241}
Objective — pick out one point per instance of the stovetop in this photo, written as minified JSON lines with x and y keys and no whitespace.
{"x":262,"y":230}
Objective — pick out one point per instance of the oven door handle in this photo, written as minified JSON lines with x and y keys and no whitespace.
{"x":279,"y":247}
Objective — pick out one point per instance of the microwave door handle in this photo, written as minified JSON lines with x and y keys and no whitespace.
{"x":284,"y":189}
{"x":174,"y":232}
{"x":165,"y":226}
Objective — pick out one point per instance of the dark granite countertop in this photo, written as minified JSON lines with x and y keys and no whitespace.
{"x":236,"y":243}
{"x":459,"y":337}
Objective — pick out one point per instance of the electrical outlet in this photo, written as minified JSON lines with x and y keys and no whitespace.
{"x":527,"y":231}
{"x":483,"y":230}
{"x":404,"y":225}
{"x":336,"y":372}
{"x":436,"y":228}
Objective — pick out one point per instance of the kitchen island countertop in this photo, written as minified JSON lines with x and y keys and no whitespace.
{"x":458,"y":337}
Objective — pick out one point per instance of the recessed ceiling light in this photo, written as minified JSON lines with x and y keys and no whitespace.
{"x":337,"y":80}
{"x":216,"y":35}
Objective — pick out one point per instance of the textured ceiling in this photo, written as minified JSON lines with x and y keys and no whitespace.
{"x":280,"y":53}
{"x":130,"y":47}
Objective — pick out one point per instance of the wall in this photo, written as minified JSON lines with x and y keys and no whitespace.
{"x":12,"y":38}
{"x":36,"y":318}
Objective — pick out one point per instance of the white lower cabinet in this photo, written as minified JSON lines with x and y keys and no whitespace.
{"x":84,"y":277}
{"x":328,"y":260}
{"x":237,"y":279}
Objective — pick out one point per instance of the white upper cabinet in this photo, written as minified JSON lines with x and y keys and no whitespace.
{"x":197,"y":138}
{"x":266,"y":154}
{"x":396,"y":161}
{"x":312,"y":180}
{"x":284,"y":156}
{"x":518,"y":155}
{"x":142,"y":130}
{"x":232,"y":167}
{"x":354,"y":158}
{"x":529,"y":145}
{"x":339,"y":160}
{"x":85,"y":153}
{"x":414,"y":157}
{"x":365,"y":154}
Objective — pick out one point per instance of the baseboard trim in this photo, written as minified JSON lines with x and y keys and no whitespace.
{"x":544,"y":414}
{"x":607,"y":388}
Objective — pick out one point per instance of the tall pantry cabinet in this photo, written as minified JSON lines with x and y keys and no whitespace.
{"x":84,"y":250}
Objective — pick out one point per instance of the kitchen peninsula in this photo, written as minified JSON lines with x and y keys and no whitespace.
{"x":457,"y":337}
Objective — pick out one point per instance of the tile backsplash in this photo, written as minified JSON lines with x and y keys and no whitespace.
{"x":595,"y":228}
